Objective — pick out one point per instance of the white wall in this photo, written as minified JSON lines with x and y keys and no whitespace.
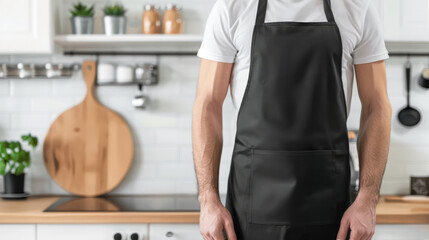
{"x":162,"y":133}
{"x":409,"y":149}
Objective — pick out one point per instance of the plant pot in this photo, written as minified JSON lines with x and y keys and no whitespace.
{"x":82,"y":25}
{"x":13,"y":184}
{"x":115,"y":25}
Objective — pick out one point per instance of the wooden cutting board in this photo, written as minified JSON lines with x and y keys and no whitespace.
{"x":89,"y":148}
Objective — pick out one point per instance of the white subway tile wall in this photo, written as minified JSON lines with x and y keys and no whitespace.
{"x":162,"y":133}
{"x":409,"y":148}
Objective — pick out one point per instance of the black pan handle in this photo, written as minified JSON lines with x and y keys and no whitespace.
{"x":408,"y":79}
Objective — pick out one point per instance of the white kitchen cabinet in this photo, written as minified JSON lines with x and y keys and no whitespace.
{"x":26,"y":27}
{"x":90,"y":231}
{"x":174,"y":232}
{"x":18,"y":231}
{"x":401,"y":232}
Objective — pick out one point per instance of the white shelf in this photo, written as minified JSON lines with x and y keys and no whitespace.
{"x":129,"y":42}
{"x":179,"y":43}
{"x":407,"y":45}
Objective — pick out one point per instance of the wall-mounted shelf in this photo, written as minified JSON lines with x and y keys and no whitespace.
{"x":134,"y":83}
{"x":129,"y":42}
{"x":407,"y":45}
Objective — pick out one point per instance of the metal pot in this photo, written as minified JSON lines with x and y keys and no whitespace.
{"x":3,"y":70}
{"x":26,"y":70}
{"x":140,"y":101}
{"x":82,"y":25}
{"x":146,"y":74}
{"x":115,"y":25}
{"x":424,"y":78}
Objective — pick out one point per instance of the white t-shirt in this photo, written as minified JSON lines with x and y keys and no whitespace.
{"x":229,"y":29}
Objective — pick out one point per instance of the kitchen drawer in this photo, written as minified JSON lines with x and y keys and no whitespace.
{"x":174,"y":232}
{"x":18,"y":231}
{"x":90,"y":231}
{"x":401,"y":232}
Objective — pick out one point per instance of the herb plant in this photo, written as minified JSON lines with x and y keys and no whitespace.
{"x":114,"y":10}
{"x":13,"y":158}
{"x":82,"y":10}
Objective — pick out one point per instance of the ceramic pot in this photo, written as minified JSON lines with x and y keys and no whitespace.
{"x":13,"y":184}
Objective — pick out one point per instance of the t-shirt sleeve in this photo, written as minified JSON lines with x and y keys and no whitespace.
{"x":217,"y":42}
{"x":371,"y":47}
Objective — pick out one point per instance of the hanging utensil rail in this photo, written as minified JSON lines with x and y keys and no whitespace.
{"x":409,"y":54}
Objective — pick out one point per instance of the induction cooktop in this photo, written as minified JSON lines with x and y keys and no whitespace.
{"x":149,"y":203}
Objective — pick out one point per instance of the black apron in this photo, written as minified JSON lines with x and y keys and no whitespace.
{"x":290,"y":173}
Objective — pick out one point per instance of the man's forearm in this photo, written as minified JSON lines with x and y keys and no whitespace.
{"x":373,"y":147}
{"x":207,"y":146}
{"x":207,"y":126}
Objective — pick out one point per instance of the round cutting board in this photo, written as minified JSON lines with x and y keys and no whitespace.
{"x":89,"y":148}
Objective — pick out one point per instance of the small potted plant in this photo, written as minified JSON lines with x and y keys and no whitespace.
{"x":114,"y":20}
{"x":14,"y":160}
{"x":82,"y":19}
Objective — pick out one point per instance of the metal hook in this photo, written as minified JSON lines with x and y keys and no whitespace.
{"x":408,"y":63}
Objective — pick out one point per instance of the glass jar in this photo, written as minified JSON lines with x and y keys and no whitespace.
{"x":151,"y":20}
{"x":173,"y":21}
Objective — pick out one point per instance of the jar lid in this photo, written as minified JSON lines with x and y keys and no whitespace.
{"x":25,"y":66}
{"x":149,"y":7}
{"x":171,"y":6}
{"x":50,"y":66}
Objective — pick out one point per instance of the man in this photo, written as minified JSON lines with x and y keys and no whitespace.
{"x":285,"y":61}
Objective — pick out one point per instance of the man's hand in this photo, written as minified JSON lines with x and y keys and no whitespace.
{"x":207,"y":142}
{"x":213,"y":218}
{"x":360,"y":218}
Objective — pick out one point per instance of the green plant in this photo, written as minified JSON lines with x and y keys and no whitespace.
{"x":114,"y":10}
{"x":14,"y":159}
{"x":80,"y":9}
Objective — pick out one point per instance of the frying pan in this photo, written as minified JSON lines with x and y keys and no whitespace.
{"x":408,"y":116}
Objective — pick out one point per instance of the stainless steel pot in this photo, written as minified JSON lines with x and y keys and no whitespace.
{"x":140,"y":101}
{"x":3,"y":71}
{"x":146,"y":74}
{"x":26,"y":70}
{"x":82,"y":25}
{"x":115,"y":25}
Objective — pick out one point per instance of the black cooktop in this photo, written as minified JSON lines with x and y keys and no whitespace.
{"x":149,"y":203}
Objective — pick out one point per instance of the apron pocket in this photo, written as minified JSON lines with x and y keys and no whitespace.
{"x":292,"y":187}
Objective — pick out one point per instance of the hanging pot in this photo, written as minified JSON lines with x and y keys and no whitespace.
{"x":424,"y":78}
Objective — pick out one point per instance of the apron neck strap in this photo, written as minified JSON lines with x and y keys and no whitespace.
{"x":328,"y":10}
{"x":262,"y":9}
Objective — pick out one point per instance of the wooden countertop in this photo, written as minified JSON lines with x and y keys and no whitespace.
{"x":402,"y":212}
{"x":31,"y":211}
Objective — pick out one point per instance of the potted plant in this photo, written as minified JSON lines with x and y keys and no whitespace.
{"x":114,"y":20}
{"x":82,"y":19}
{"x":13,"y":162}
